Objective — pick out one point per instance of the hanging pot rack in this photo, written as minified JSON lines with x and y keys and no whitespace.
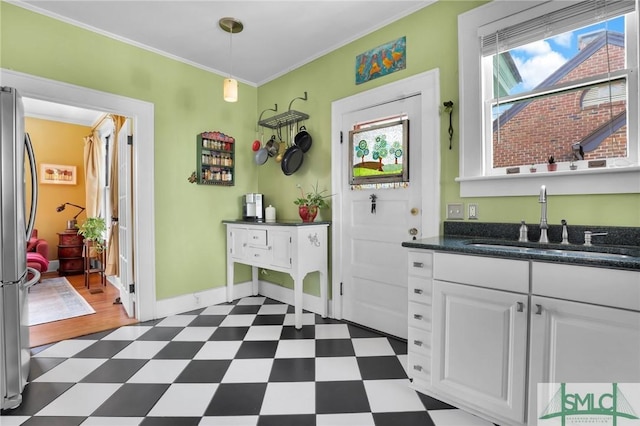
{"x":285,"y":118}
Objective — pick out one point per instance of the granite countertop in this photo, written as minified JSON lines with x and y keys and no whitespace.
{"x":482,"y":242}
{"x":277,"y":223}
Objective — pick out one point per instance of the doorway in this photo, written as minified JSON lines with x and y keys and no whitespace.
{"x":369,"y":265}
{"x":142,"y":221}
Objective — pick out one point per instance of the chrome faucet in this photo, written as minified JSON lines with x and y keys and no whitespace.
{"x":544,"y":239}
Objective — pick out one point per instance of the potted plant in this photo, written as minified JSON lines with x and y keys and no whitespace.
{"x":309,"y":203}
{"x":551,"y":164}
{"x":533,"y":169}
{"x":93,"y":230}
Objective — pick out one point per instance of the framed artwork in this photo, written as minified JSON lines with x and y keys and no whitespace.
{"x":380,"y":153}
{"x":57,"y":174}
{"x":382,"y":60}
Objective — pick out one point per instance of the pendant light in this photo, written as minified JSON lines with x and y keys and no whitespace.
{"x":230,"y":87}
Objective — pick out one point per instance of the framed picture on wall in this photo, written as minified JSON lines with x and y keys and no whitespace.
{"x":57,"y":174}
{"x":380,"y":153}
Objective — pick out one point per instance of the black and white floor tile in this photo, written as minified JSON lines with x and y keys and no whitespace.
{"x":236,"y":364}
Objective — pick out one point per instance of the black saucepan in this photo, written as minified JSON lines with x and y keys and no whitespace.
{"x":292,"y":160}
{"x":303,"y":139}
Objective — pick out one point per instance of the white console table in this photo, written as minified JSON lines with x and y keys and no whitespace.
{"x":295,"y":248}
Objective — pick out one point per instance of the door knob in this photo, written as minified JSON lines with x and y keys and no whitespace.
{"x":413,"y":231}
{"x":415,"y":211}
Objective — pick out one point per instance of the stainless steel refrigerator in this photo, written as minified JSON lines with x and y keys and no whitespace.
{"x":15,"y":229}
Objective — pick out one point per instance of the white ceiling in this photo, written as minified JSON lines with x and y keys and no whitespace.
{"x":278,"y":36}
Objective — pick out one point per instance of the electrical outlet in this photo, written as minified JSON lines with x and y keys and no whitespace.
{"x":455,"y":211}
{"x":473,"y":211}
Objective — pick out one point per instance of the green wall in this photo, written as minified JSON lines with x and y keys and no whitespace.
{"x":190,"y":241}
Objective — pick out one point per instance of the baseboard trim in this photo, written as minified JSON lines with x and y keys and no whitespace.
{"x":215,"y":296}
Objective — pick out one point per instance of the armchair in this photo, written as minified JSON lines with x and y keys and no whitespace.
{"x":37,"y":253}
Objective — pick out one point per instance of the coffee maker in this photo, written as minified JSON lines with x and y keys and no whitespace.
{"x":253,"y":207}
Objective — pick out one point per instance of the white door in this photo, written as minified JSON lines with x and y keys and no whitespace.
{"x":369,"y":265}
{"x":125,"y":236}
{"x":375,"y":266}
{"x":479,"y":347}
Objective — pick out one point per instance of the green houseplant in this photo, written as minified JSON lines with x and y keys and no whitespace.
{"x":309,"y":203}
{"x":93,"y":230}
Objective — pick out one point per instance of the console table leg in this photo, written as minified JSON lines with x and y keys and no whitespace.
{"x":297,"y":302}
{"x":230,"y":282}
{"x":254,"y":280}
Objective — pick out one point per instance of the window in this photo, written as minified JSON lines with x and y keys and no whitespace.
{"x":557,"y":79}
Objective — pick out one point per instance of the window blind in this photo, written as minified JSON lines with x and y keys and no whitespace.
{"x":494,"y":38}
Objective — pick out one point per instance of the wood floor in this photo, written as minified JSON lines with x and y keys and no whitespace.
{"x":107,"y":316}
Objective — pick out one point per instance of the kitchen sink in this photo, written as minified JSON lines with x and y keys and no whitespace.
{"x":595,"y":251}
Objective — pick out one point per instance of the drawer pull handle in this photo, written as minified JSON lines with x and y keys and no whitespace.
{"x":418,"y":291}
{"x":256,"y":255}
{"x":538,"y":309}
{"x":520,"y":307}
{"x":417,"y":342}
{"x":418,"y":265}
{"x":417,"y":316}
{"x":417,"y":367}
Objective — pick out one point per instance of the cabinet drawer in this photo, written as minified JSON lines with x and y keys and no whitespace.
{"x":420,"y":290}
{"x":419,"y":367}
{"x":490,"y":272}
{"x":257,"y":237}
{"x":258,"y":255}
{"x":419,"y":341}
{"x":421,"y":263}
{"x":609,"y":287}
{"x":420,"y":316}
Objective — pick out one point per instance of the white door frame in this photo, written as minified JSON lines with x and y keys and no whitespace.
{"x":142,"y":114}
{"x":427,"y":85}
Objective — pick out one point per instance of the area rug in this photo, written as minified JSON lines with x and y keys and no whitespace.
{"x":54,"y":299}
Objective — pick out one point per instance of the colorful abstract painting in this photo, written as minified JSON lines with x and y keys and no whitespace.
{"x":380,"y":153}
{"x":382,"y":60}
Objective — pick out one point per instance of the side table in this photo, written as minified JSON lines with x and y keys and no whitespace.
{"x":90,"y":253}
{"x":70,"y":252}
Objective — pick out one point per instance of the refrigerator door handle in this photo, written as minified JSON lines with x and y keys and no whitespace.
{"x":34,"y":280}
{"x":34,"y":185}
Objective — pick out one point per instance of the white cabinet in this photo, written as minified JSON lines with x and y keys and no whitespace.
{"x":573,"y":323}
{"x":294,"y":248}
{"x":480,"y":336}
{"x":419,"y":333}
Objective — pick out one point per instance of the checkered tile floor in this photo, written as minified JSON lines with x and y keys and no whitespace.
{"x":233,"y":364}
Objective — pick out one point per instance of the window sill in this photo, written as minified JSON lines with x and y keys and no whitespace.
{"x":618,"y":180}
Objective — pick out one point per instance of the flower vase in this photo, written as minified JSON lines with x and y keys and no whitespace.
{"x":308,"y":213}
{"x":552,"y":167}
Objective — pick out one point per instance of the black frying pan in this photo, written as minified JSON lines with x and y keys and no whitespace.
{"x":303,"y":139}
{"x":292,"y":160}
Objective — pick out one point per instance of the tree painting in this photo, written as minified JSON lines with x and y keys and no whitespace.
{"x":362,"y":149}
{"x":396,"y":150}
{"x":378,"y":152}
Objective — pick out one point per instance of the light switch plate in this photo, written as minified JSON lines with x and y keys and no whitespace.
{"x":455,"y":211}
{"x":473,"y":211}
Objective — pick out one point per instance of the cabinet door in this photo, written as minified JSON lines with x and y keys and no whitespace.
{"x":479,"y":348}
{"x":280,"y":244}
{"x":237,"y":242}
{"x":575,"y":342}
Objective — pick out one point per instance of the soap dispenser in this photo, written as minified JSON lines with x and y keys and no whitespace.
{"x":524,"y":230}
